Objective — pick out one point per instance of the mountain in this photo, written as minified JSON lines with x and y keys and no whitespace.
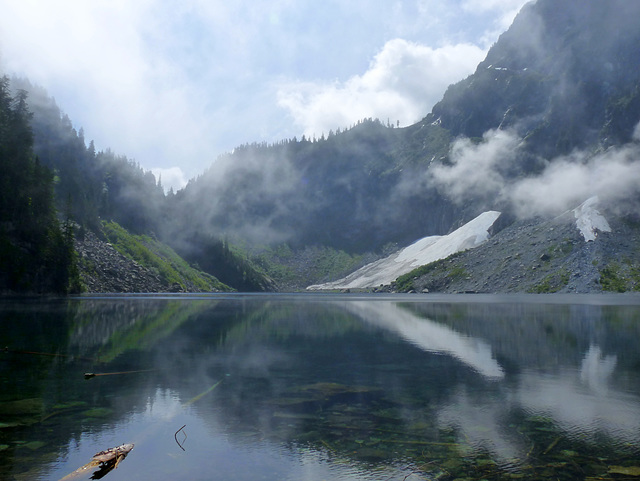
{"x":557,"y":97}
{"x":344,"y":191}
{"x":559,"y":92}
{"x":52,"y":180}
{"x":564,"y":76}
{"x":548,"y":120}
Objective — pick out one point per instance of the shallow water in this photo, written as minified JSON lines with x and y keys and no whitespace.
{"x":322,"y":387}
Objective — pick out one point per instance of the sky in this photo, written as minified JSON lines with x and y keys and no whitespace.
{"x":174,"y":84}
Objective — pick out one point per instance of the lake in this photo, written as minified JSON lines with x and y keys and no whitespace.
{"x":318,"y":387}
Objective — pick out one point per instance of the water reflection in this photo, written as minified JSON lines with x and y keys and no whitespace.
{"x":319,"y":387}
{"x":597,"y":369}
{"x":577,"y":399}
{"x":580,"y":410}
{"x":430,"y":336}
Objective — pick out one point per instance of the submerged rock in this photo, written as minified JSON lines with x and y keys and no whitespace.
{"x":21,"y":407}
{"x":97,"y":412}
{"x":625,"y":470}
{"x":34,"y":445}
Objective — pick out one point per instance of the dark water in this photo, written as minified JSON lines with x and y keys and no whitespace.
{"x":322,"y":387}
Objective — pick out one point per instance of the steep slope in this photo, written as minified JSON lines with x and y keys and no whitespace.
{"x":92,"y":187}
{"x":562,"y":86}
{"x":347,"y":191}
{"x":36,"y":250}
{"x":424,"y":251}
{"x":585,"y":250}
{"x":565,"y":75}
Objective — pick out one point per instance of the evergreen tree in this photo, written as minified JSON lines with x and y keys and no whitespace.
{"x":35,"y":254}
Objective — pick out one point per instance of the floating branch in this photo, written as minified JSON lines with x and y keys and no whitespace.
{"x":91,"y":375}
{"x":106,"y":461}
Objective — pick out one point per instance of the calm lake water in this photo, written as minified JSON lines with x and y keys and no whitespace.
{"x":321,"y":387}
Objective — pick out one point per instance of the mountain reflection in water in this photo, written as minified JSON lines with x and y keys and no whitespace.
{"x":430,"y":336}
{"x":321,"y":387}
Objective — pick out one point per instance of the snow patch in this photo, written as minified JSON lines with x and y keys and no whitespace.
{"x":426,"y":250}
{"x":589,"y":220}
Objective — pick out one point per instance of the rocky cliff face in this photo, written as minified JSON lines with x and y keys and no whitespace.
{"x":104,"y":269}
{"x":565,"y":75}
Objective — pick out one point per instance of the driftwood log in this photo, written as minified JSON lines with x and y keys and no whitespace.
{"x":106,"y":461}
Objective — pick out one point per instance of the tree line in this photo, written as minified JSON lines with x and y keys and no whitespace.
{"x":55,"y":187}
{"x":36,"y":248}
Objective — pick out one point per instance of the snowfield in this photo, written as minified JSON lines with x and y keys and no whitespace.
{"x":589,"y":220}
{"x":422,"y":252}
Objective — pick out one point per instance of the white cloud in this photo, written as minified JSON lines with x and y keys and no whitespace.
{"x":504,"y":10}
{"x":402,"y":83}
{"x":479,"y":174}
{"x":486,"y":5}
{"x":170,"y":177}
{"x":568,"y":181}
{"x":95,"y":59}
{"x":177,"y":83}
{"x":476,"y":170}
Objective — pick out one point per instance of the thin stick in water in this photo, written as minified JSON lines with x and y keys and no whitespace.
{"x":91,"y":375}
{"x":175,"y":436}
{"x":202,"y":394}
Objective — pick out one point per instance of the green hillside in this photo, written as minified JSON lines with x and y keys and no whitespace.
{"x":160,"y":258}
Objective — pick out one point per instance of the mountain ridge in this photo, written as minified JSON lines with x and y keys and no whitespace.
{"x":548,"y":119}
{"x":560,"y":71}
